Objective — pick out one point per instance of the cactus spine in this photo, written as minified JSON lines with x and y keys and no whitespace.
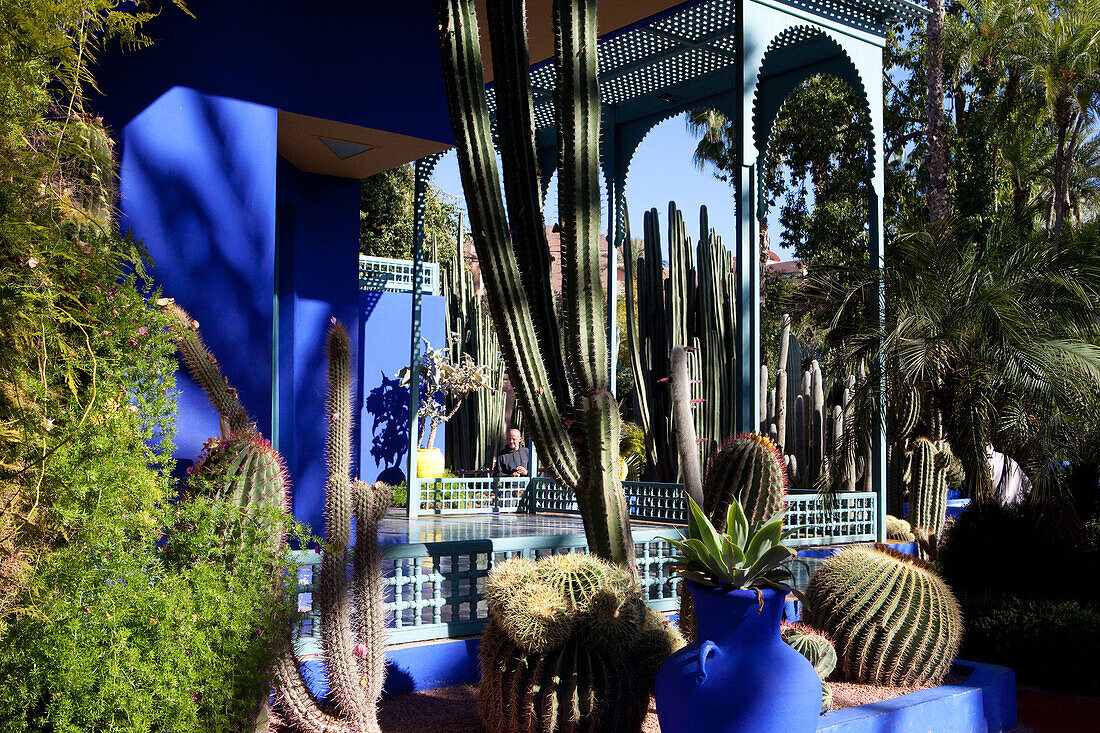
{"x":749,"y":468}
{"x":355,"y":683}
{"x":893,"y":620}
{"x":570,"y":646}
{"x":514,"y":255}
{"x":818,"y":650}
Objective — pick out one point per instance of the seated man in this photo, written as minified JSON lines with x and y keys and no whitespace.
{"x":513,"y":458}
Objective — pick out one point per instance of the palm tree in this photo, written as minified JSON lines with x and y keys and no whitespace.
{"x":976,"y":331}
{"x":1063,"y":60}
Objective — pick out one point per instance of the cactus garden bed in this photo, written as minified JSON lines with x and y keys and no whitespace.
{"x":973,"y":697}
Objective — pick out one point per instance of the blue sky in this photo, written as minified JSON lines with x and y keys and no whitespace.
{"x":662,"y":170}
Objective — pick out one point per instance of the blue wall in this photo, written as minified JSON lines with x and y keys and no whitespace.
{"x":385,"y":320}
{"x":337,"y":60}
{"x":198,"y":186}
{"x":318,"y":273}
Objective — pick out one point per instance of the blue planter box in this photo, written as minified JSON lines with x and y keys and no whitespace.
{"x":983,"y":703}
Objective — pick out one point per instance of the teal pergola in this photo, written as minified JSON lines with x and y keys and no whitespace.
{"x":742,"y":58}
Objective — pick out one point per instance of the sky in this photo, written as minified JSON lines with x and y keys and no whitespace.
{"x":662,"y":170}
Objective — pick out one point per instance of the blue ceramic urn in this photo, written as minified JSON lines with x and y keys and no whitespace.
{"x":738,"y":675}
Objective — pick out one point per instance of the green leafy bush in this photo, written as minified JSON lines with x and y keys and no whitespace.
{"x":1048,"y":642}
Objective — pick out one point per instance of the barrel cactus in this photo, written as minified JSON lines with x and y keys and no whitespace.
{"x":818,"y":650}
{"x":899,"y":530}
{"x":244,"y":470}
{"x":750,"y":469}
{"x":570,"y":646}
{"x":893,"y":620}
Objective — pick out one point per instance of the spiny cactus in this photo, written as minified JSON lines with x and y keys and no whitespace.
{"x":694,"y":306}
{"x":243,"y":469}
{"x":813,"y":645}
{"x":749,"y":468}
{"x":899,"y":530}
{"x":355,"y":680}
{"x":204,"y":370}
{"x":683,"y":421}
{"x":926,"y":475}
{"x":570,"y":411}
{"x":570,"y":646}
{"x":892,"y":619}
{"x":818,"y":650}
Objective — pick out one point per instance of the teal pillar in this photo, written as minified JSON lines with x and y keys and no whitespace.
{"x":747,"y":287}
{"x":423,"y":172}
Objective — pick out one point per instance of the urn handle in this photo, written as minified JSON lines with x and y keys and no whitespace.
{"x":704,"y":651}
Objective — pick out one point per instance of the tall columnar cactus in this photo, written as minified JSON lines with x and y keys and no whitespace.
{"x":926,"y":475}
{"x":570,"y":646}
{"x":570,"y":411}
{"x":693,"y":306}
{"x":474,"y":433}
{"x":355,"y":680}
{"x":749,"y":468}
{"x":893,"y":620}
{"x":683,"y":420}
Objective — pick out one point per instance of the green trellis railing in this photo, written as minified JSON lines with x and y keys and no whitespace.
{"x":435,"y":590}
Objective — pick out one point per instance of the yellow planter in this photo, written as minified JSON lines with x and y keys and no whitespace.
{"x":429,"y":462}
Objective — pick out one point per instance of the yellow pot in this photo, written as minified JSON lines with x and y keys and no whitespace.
{"x":429,"y":462}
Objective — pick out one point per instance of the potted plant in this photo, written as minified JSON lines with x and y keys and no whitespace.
{"x":442,"y":382}
{"x":738,"y":674}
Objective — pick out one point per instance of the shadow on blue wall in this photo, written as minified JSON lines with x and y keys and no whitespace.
{"x":198,"y":186}
{"x":388,"y":406}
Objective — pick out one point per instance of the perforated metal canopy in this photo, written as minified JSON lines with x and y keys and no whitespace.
{"x":642,"y":68}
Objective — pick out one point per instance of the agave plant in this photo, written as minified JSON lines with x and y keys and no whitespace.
{"x":746,"y":555}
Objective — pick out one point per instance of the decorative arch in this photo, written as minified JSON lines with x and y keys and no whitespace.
{"x":777,"y":80}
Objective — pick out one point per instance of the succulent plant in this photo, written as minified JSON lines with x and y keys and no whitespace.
{"x":570,"y":645}
{"x":205,"y":371}
{"x":691,"y":302}
{"x":748,"y":468}
{"x":926,"y":474}
{"x":893,"y":620}
{"x":353,"y":655}
{"x":812,"y":644}
{"x":744,"y":556}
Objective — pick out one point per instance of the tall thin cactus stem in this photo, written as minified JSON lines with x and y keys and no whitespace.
{"x":570,"y":412}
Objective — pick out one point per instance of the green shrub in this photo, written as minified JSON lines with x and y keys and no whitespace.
{"x":1003,"y":550}
{"x":136,"y":643}
{"x":1048,"y":642}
